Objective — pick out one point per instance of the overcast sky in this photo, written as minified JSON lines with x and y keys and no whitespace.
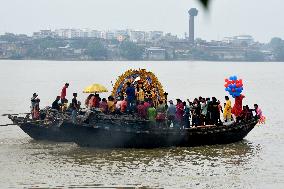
{"x":260,"y":18}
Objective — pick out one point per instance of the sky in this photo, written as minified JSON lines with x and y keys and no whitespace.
{"x":260,"y":18}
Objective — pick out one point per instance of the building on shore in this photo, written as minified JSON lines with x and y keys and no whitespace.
{"x":155,"y":53}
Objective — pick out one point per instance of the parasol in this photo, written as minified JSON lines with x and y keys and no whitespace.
{"x":95,"y":88}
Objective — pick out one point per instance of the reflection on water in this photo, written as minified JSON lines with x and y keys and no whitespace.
{"x":145,"y":168}
{"x":237,"y":153}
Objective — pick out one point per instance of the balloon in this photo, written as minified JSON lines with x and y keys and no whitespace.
{"x":233,"y":90}
{"x":235,"y":77}
{"x":226,"y":85}
{"x":226,"y":80}
{"x":231,"y":77}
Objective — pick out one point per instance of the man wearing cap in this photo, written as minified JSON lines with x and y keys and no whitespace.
{"x":63,"y":92}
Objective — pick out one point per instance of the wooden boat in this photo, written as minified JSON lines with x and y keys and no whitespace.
{"x":96,"y":129}
{"x":127,"y":131}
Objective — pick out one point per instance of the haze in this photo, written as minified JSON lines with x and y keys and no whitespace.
{"x":259,"y":18}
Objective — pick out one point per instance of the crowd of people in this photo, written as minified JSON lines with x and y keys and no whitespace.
{"x":199,"y":112}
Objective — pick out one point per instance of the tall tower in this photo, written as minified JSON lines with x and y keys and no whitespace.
{"x":192,"y":13}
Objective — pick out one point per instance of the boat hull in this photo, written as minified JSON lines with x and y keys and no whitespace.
{"x":155,"y":138}
{"x":140,"y":136}
{"x":54,"y":133}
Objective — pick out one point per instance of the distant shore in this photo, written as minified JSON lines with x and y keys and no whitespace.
{"x":119,"y":60}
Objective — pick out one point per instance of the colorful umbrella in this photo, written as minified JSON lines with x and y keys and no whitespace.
{"x":95,"y":88}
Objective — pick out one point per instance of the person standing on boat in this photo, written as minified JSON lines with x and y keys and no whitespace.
{"x":258,"y":111}
{"x":186,"y":115}
{"x":55,"y":104}
{"x":171,"y":113}
{"x":140,"y":94}
{"x":33,"y":101}
{"x":104,"y":105}
{"x":204,"y":107}
{"x":141,"y":110}
{"x":87,"y":100}
{"x":63,"y":92}
{"x":227,"y":110}
{"x":118,"y":105}
{"x":91,"y":101}
{"x":152,"y":114}
{"x":196,"y":112}
{"x":220,"y":111}
{"x":130,"y":92}
{"x":74,"y":107}
{"x":215,"y":111}
{"x":36,"y":110}
{"x":179,"y":111}
{"x":111,"y":105}
{"x":123,"y":105}
{"x":161,"y":113}
{"x":147,"y":104}
{"x":237,"y":108}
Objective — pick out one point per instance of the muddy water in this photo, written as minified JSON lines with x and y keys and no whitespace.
{"x":256,"y":162}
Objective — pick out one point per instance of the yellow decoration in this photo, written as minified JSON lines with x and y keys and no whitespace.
{"x":95,"y":88}
{"x":148,"y":79}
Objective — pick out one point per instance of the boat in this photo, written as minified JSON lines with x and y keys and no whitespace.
{"x":129,"y":131}
{"x":93,"y":128}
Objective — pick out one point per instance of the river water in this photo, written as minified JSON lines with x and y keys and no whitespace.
{"x":256,"y":162}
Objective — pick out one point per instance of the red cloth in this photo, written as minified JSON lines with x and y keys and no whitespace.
{"x":238,"y":106}
{"x":96,"y":102}
{"x":179,"y":111}
{"x":123,"y":106}
{"x":63,"y":92}
{"x":141,"y":111}
{"x":147,"y":105}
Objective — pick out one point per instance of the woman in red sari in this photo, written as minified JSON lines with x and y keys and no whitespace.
{"x":237,"y":108}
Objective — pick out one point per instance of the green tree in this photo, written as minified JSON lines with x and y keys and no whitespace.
{"x":276,"y":42}
{"x":97,"y":50}
{"x":277,"y":46}
{"x":255,"y":56}
{"x":130,"y":50}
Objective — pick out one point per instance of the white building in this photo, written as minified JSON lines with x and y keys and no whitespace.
{"x":239,"y":40}
{"x":154,"y":35}
{"x":137,"y":36}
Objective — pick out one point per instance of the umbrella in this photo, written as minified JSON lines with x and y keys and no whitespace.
{"x":95,"y":88}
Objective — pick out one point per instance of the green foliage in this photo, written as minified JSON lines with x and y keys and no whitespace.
{"x":130,"y":50}
{"x":97,"y":50}
{"x":9,"y":37}
{"x":277,"y":46}
{"x":49,"y":43}
{"x":254,"y":56}
{"x":276,"y":42}
{"x":199,"y":54}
